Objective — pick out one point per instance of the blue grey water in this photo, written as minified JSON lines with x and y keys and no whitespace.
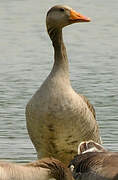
{"x":26,"y":58}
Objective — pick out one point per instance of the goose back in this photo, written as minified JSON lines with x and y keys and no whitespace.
{"x":45,"y":169}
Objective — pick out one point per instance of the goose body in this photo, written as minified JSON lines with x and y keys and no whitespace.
{"x":94,"y":163}
{"x":57,"y":117}
{"x":45,"y":169}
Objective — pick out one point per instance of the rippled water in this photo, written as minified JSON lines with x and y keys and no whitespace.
{"x":26,"y":58}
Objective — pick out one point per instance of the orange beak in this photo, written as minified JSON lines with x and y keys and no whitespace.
{"x":77,"y":17}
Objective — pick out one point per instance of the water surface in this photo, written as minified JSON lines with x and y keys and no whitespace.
{"x":26,"y":58}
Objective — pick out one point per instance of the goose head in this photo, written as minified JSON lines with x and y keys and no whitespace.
{"x":94,"y":162}
{"x":60,"y":16}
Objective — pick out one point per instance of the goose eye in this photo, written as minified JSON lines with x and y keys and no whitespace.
{"x":72,"y":168}
{"x":62,"y":9}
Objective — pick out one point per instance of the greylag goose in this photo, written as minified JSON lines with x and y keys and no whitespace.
{"x":58,"y":118}
{"x":94,"y":163}
{"x":45,"y":169}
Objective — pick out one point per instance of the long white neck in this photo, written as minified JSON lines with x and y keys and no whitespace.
{"x":60,"y":56}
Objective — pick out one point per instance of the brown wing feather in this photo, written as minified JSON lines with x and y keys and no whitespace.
{"x":90,"y":106}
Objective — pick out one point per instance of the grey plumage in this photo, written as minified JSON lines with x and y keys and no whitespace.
{"x":58,"y":118}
